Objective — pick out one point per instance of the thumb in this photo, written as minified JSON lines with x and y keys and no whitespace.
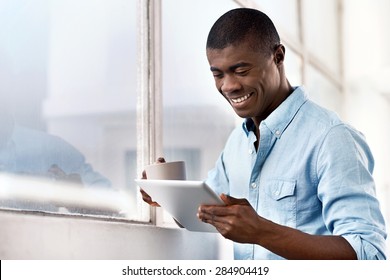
{"x":229,"y":200}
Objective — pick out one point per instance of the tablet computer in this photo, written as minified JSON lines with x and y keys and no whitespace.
{"x":181,"y":199}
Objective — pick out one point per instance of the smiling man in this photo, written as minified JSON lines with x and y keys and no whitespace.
{"x":296,"y":180}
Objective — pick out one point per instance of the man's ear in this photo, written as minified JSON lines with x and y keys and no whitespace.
{"x":279,"y":54}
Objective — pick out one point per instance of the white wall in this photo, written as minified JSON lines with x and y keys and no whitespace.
{"x":45,"y":236}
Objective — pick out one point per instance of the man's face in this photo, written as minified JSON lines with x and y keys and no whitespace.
{"x":249,"y":80}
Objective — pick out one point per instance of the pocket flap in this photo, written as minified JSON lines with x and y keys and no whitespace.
{"x":278,"y":189}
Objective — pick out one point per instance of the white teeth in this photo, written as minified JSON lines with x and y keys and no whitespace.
{"x":240,"y":99}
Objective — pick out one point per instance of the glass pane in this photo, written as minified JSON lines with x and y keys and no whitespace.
{"x":321,"y":31}
{"x":322,"y":91}
{"x":68,"y":84}
{"x":284,"y":14}
{"x":293,"y":67}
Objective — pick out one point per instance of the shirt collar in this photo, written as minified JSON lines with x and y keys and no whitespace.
{"x":281,"y":117}
{"x":248,"y":125}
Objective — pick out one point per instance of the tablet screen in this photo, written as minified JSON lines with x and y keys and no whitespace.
{"x":181,"y":199}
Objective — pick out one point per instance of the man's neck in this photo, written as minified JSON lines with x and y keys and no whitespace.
{"x":259,"y":119}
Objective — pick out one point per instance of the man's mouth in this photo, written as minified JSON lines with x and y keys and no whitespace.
{"x":241,"y":99}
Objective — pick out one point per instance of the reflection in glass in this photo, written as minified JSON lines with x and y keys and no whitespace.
{"x":32,"y":153}
{"x":68,"y":95}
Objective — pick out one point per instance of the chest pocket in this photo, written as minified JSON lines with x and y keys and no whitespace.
{"x":278,"y":201}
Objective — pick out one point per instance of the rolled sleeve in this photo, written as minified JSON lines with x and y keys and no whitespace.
{"x":364,"y":249}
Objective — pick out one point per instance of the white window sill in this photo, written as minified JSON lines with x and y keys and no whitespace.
{"x":27,"y":235}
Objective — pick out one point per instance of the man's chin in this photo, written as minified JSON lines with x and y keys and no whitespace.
{"x":243,"y":114}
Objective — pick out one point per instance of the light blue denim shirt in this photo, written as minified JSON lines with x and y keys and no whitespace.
{"x":311,"y":172}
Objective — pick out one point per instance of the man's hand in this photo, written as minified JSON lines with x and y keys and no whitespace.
{"x":58,"y":174}
{"x":236,"y":220}
{"x":145,"y":196}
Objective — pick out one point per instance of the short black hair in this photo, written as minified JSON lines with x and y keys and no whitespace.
{"x":244,"y":24}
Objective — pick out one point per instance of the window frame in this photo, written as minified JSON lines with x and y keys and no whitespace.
{"x":149,"y":94}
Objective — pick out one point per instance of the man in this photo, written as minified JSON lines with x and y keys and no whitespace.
{"x":296,"y":180}
{"x":29,"y":152}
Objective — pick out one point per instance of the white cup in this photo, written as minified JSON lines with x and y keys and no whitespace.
{"x":174,"y":170}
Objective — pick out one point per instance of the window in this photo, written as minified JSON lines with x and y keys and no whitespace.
{"x":69,"y":83}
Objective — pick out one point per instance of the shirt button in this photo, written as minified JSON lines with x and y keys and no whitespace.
{"x":253,"y":185}
{"x":250,"y":151}
{"x":277,"y":132}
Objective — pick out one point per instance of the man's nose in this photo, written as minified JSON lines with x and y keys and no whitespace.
{"x":230,"y":84}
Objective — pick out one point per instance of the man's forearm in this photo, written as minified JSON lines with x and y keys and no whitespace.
{"x":294,"y":244}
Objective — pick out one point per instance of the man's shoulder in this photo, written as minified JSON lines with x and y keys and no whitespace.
{"x":29,"y":138}
{"x":323,"y":121}
{"x":314,"y":113}
{"x":310,"y":110}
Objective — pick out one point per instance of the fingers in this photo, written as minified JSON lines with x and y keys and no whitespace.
{"x":144,"y":175}
{"x":236,"y":220}
{"x":224,"y":210}
{"x":148,"y":199}
{"x":159,"y":160}
{"x":56,"y":171}
{"x":211,"y":214}
{"x":221,"y":223}
{"x":208,"y":217}
{"x":145,"y":196}
{"x":220,"y":213}
{"x":229,"y":200}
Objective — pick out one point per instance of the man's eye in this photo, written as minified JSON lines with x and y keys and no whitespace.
{"x":242,"y":72}
{"x":218,"y":75}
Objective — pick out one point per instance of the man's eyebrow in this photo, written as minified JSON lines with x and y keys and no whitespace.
{"x":238,"y":65}
{"x":233,"y":67}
